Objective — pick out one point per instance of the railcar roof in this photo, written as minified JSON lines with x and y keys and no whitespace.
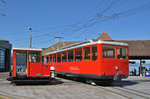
{"x":30,"y":49}
{"x":86,"y":43}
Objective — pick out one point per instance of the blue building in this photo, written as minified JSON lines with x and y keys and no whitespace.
{"x":5,"y":55}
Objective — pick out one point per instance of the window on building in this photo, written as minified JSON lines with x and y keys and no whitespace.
{"x":2,"y":58}
{"x":121,"y":53}
{"x":50,"y":58}
{"x":87,"y":54}
{"x":78,"y":54}
{"x":70,"y":56}
{"x":64,"y":58}
{"x":34,"y":57}
{"x":54,"y":58}
{"x":46,"y":59}
{"x":58,"y":57}
{"x":108,"y":51}
{"x":94,"y":52}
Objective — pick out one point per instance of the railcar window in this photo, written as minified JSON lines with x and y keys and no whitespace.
{"x":78,"y":54}
{"x":54,"y":58}
{"x":94,"y":52}
{"x":87,"y":54}
{"x":46,"y":59}
{"x":108,"y":51}
{"x":121,"y":53}
{"x":64,"y":57}
{"x":50,"y":58}
{"x":34,"y":57}
{"x":70,"y":56}
{"x":58,"y":57}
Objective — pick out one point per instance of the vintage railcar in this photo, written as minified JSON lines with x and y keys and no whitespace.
{"x":91,"y":60}
{"x":27,"y":66}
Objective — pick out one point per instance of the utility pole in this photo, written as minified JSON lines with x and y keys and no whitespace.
{"x":61,"y":40}
{"x":30,"y":36}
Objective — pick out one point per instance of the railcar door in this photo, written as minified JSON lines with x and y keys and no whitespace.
{"x":21,"y":63}
{"x":122,"y":59}
{"x":35,"y":63}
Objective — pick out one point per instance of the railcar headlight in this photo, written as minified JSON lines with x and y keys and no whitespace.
{"x":116,"y":67}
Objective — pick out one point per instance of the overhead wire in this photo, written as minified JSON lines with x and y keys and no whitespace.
{"x":44,"y":35}
{"x":91,"y":24}
{"x":20,"y":33}
{"x":142,"y":8}
{"x":96,"y":17}
{"x":3,"y":1}
{"x":95,"y":20}
{"x":38,"y":30}
{"x":139,"y":9}
{"x":87,"y":25}
{"x":133,"y":11}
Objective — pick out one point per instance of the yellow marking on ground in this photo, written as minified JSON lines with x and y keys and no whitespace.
{"x":4,"y":97}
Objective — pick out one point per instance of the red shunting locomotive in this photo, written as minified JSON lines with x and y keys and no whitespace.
{"x":27,"y":66}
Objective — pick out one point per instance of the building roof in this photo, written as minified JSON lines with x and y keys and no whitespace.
{"x":138,"y":49}
{"x":104,"y":37}
{"x":5,"y":41}
{"x":5,"y":44}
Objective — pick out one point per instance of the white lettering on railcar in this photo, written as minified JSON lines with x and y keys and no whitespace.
{"x":74,"y":68}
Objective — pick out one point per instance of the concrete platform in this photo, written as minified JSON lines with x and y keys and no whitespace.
{"x":4,"y":75}
{"x":67,"y":89}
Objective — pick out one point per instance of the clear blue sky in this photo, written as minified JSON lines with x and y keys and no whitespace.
{"x":74,"y":20}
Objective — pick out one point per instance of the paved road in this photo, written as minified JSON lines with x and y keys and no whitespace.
{"x":68,"y":89}
{"x":59,"y":89}
{"x":10,"y":96}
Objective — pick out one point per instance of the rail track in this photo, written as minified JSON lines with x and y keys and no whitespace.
{"x":127,"y":92}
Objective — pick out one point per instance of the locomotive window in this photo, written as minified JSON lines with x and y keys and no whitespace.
{"x":108,"y":51}
{"x":46,"y":59}
{"x":78,"y":54}
{"x":54,"y":58}
{"x":50,"y":58}
{"x":58,"y":57}
{"x":121,"y":53}
{"x":34,"y":57}
{"x":87,"y":54}
{"x":64,"y":57}
{"x":94,"y":52}
{"x":70,"y":56}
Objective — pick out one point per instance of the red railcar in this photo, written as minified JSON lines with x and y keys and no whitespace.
{"x":92,"y":59}
{"x":27,"y":66}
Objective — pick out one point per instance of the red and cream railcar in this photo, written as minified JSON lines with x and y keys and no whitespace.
{"x":96,"y":60}
{"x":27,"y":66}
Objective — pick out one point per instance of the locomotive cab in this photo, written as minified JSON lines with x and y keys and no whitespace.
{"x":27,"y":66}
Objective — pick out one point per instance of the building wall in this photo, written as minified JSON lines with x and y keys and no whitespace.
{"x":5,"y":56}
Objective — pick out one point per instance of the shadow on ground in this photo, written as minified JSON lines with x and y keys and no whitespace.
{"x":123,"y":83}
{"x":35,"y":83}
{"x":106,"y":83}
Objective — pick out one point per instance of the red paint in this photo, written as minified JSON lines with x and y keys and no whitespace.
{"x":33,"y":69}
{"x":14,"y":63}
{"x":99,"y":67}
